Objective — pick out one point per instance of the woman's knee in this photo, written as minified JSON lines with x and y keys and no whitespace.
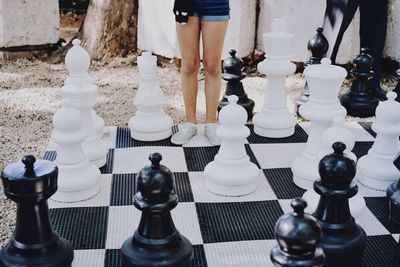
{"x":212,"y":67}
{"x":190,"y":66}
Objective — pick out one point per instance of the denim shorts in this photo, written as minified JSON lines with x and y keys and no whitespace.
{"x":212,"y":10}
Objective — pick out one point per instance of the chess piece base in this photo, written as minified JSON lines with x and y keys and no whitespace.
{"x":305,"y":171}
{"x":170,"y":253}
{"x":151,"y":136}
{"x":282,"y":258}
{"x":95,"y":150}
{"x":376,"y":173}
{"x":77,"y":183}
{"x":151,"y":126}
{"x":231,"y":177}
{"x":362,"y":108}
{"x":357,"y":203}
{"x":55,"y":253}
{"x":277,"y":123}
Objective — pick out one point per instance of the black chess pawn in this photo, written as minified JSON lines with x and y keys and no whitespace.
{"x":298,"y":235}
{"x":396,"y":185}
{"x":342,"y":239}
{"x":394,"y":210}
{"x":156,"y":242}
{"x":317,"y":46}
{"x":397,"y":88}
{"x":233,"y":75}
{"x":360,"y":100}
{"x":30,"y":183}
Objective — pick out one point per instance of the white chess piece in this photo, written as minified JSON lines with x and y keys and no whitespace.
{"x":274,"y":119}
{"x":232,"y":173}
{"x":150,"y":122}
{"x":78,"y":179}
{"x":376,"y":169}
{"x":324,"y":81}
{"x":338,"y":132}
{"x":80,"y":89}
{"x":77,"y":62}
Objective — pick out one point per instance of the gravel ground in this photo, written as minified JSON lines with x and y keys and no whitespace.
{"x":29,"y":96}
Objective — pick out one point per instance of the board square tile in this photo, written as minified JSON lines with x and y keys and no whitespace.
{"x":102,"y":198}
{"x":281,"y":181}
{"x":112,"y":258}
{"x":361,"y":148}
{"x":89,"y":258}
{"x":276,"y":155}
{"x":132,"y":160}
{"x":202,"y":194}
{"x":124,"y":140}
{"x":238,"y":254}
{"x":199,"y":256}
{"x":380,"y":209}
{"x":380,"y":251}
{"x":238,"y":221}
{"x":124,"y":220}
{"x":300,"y":136}
{"x":361,"y":133}
{"x":367,"y":125}
{"x":108,"y":168}
{"x":50,"y":155}
{"x":83,"y":227}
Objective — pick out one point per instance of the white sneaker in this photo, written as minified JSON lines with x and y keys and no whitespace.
{"x":186,"y":131}
{"x":210,"y":132}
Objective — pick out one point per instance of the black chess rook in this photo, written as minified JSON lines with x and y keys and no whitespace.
{"x":343,"y":241}
{"x":156,"y":242}
{"x":298,"y":235}
{"x":360,"y":100}
{"x":34,"y":243}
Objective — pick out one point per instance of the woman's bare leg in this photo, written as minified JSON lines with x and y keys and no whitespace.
{"x":213,"y":35}
{"x":189,"y":38}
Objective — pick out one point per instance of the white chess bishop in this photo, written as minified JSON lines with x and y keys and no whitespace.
{"x":338,"y":132}
{"x":274,"y":119}
{"x":232,"y":173}
{"x":324,"y":81}
{"x":83,"y":96}
{"x":150,"y":122}
{"x":77,"y":62}
{"x":376,"y":169}
{"x":78,"y":179}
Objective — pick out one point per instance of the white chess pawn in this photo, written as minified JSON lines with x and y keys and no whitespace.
{"x":232,"y":173}
{"x":78,"y":179}
{"x":376,"y":169}
{"x":338,"y":132}
{"x":77,"y":62}
{"x":324,"y":81}
{"x":274,"y":119}
{"x":83,"y":99}
{"x":150,"y":122}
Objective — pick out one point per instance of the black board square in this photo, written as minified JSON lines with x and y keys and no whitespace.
{"x":299,"y":136}
{"x":83,"y":227}
{"x":238,"y":221}
{"x":361,"y":148}
{"x":367,"y":126}
{"x":380,"y":209}
{"x":113,"y":258}
{"x":50,"y":155}
{"x":281,"y":181}
{"x":380,"y":251}
{"x":124,"y":140}
{"x":108,"y":168}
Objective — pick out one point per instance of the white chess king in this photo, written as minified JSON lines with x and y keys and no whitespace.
{"x":274,"y":120}
{"x":232,"y":173}
{"x":150,"y":122}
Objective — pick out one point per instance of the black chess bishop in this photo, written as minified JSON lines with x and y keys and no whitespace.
{"x":360,"y":100}
{"x":233,"y":74}
{"x":156,"y":242}
{"x":34,"y":243}
{"x":343,"y":241}
{"x":298,"y":235}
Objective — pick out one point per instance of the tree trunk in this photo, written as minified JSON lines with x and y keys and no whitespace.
{"x":110,"y":28}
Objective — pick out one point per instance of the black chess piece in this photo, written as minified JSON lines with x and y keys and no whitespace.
{"x":298,"y":235}
{"x":317,"y":46}
{"x":343,"y":241}
{"x":30,"y":183}
{"x":233,"y":75}
{"x":156,"y":242}
{"x":396,"y":185}
{"x":360,"y":100}
{"x":394,"y":209}
{"x":397,"y":88}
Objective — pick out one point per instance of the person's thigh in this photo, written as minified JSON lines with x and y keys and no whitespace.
{"x":189,"y":38}
{"x":213,"y":36}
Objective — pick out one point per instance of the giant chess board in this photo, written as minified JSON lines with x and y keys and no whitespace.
{"x":225,"y":231}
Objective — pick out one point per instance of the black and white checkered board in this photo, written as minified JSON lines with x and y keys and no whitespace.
{"x":225,"y":232}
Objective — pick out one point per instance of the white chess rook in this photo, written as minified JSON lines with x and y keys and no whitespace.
{"x":274,"y":120}
{"x":78,"y":179}
{"x":376,"y":169}
{"x":83,"y":96}
{"x":232,"y":173}
{"x":150,"y":122}
{"x":78,"y":63}
{"x":338,"y":132}
{"x":324,"y":81}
